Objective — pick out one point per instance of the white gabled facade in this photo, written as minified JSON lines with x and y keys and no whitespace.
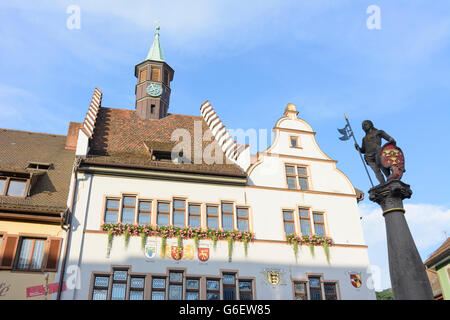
{"x":264,"y":194}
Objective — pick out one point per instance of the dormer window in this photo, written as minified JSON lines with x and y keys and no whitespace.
{"x":39,"y":166}
{"x":162,"y":156}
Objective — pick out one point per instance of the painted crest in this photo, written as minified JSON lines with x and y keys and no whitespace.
{"x":392,"y":158}
{"x":273,"y":277}
{"x":150,"y":250}
{"x":176,"y":254}
{"x":203,"y":254}
{"x":355,"y":279}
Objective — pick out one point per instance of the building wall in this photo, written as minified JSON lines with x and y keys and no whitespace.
{"x":444,"y":277}
{"x":13,"y":284}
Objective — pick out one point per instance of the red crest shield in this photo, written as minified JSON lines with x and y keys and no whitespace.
{"x":203,"y":254}
{"x":392,"y":157}
{"x":176,"y":254}
{"x":355,"y":278}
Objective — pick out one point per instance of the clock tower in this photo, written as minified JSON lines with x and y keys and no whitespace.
{"x":153,"y":86}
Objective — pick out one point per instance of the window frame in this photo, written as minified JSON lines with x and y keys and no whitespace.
{"x":175,"y":210}
{"x":152,"y":74}
{"x":336,"y":289}
{"x":189,"y":290}
{"x":297,"y":141}
{"x":227,"y":213}
{"x":319,"y":223}
{"x":218,"y":291}
{"x":247,"y":218}
{"x":229,"y":285}
{"x":174,"y":283}
{"x":189,"y":214}
{"x":245,"y":291}
{"x":117,"y":210}
{"x":153,"y":289}
{"x":123,"y":206}
{"x":297,"y":176}
{"x":30,"y":257}
{"x":169,"y":204}
{"x":297,"y":294}
{"x":300,"y":218}
{"x":319,"y":277}
{"x":143,"y":75}
{"x":144,"y":212}
{"x":215,"y":216}
{"x":8,"y":179}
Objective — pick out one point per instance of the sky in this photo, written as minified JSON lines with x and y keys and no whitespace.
{"x":249,"y":59}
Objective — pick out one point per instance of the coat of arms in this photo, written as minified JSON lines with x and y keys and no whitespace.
{"x":355,"y":278}
{"x":203,"y":254}
{"x":392,"y":158}
{"x":150,"y":250}
{"x":176,"y":254}
{"x":273,"y":277}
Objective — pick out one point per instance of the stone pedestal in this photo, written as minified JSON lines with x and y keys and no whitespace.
{"x":408,"y":276}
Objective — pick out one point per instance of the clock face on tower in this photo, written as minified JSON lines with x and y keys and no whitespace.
{"x":154,"y":89}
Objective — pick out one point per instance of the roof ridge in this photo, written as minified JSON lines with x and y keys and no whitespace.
{"x":34,"y":132}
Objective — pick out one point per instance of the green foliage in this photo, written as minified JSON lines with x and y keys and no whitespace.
{"x":384,"y":295}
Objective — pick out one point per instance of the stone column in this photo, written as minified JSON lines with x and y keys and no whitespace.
{"x":408,"y":276}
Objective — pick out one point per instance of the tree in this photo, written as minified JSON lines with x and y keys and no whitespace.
{"x":385,"y":294}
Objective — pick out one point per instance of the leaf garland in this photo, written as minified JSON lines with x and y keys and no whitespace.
{"x":312,"y":241}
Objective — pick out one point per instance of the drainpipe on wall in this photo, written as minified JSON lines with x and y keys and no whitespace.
{"x":69,"y":224}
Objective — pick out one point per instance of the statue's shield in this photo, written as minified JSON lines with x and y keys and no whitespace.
{"x":355,"y":279}
{"x":176,"y":253}
{"x":392,"y":158}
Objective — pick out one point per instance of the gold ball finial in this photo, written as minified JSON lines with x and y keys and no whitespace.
{"x":291,"y":107}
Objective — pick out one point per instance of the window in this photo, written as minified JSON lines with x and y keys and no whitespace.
{"x":245,"y":290}
{"x":100,"y":289}
{"x":192,"y":289}
{"x":152,"y":109}
{"x":119,"y":285}
{"x":288,"y":219}
{"x":137,"y":284}
{"x":1,"y":239}
{"x":212,"y":217}
{"x":194,"y":215}
{"x":175,"y":285}
{"x":16,"y":188}
{"x":14,"y":184}
{"x":128,"y":207}
{"x":155,"y":74}
{"x":39,"y":166}
{"x":302,"y":178}
{"x":145,"y":212}
{"x":296,"y":177}
{"x":227,"y":216}
{"x":330,"y":290}
{"x":315,"y":290}
{"x":179,"y":213}
{"x":143,"y":75}
{"x":290,"y":177}
{"x":123,"y":286}
{"x":158,"y":288}
{"x":242,"y":219}
{"x":305,"y":224}
{"x":294,"y":142}
{"x":300,"y":292}
{"x":212,"y":289}
{"x":163,"y":214}
{"x":229,"y":286}
{"x":319,"y":226}
{"x":31,"y":254}
{"x":166,"y":77}
{"x":112,"y":210}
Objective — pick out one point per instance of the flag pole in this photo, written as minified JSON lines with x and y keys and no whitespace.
{"x":353,"y":135}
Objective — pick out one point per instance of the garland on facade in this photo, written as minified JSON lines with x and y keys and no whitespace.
{"x":311,"y":241}
{"x":127,"y":230}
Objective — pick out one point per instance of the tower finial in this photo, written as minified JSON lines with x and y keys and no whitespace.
{"x":155,"y":52}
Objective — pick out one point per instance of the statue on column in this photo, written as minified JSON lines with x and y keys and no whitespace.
{"x":386,"y":160}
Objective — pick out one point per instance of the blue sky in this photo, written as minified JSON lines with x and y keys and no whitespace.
{"x":251,"y":58}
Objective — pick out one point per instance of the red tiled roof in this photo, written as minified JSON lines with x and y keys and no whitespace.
{"x":122,"y":138}
{"x":444,"y":248}
{"x":49,"y":193}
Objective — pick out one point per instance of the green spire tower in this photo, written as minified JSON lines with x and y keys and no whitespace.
{"x":153,"y":87}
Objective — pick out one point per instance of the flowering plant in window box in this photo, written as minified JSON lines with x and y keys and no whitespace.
{"x":311,"y":241}
{"x":118,"y":229}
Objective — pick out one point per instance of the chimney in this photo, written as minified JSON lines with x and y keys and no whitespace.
{"x":72,"y":135}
